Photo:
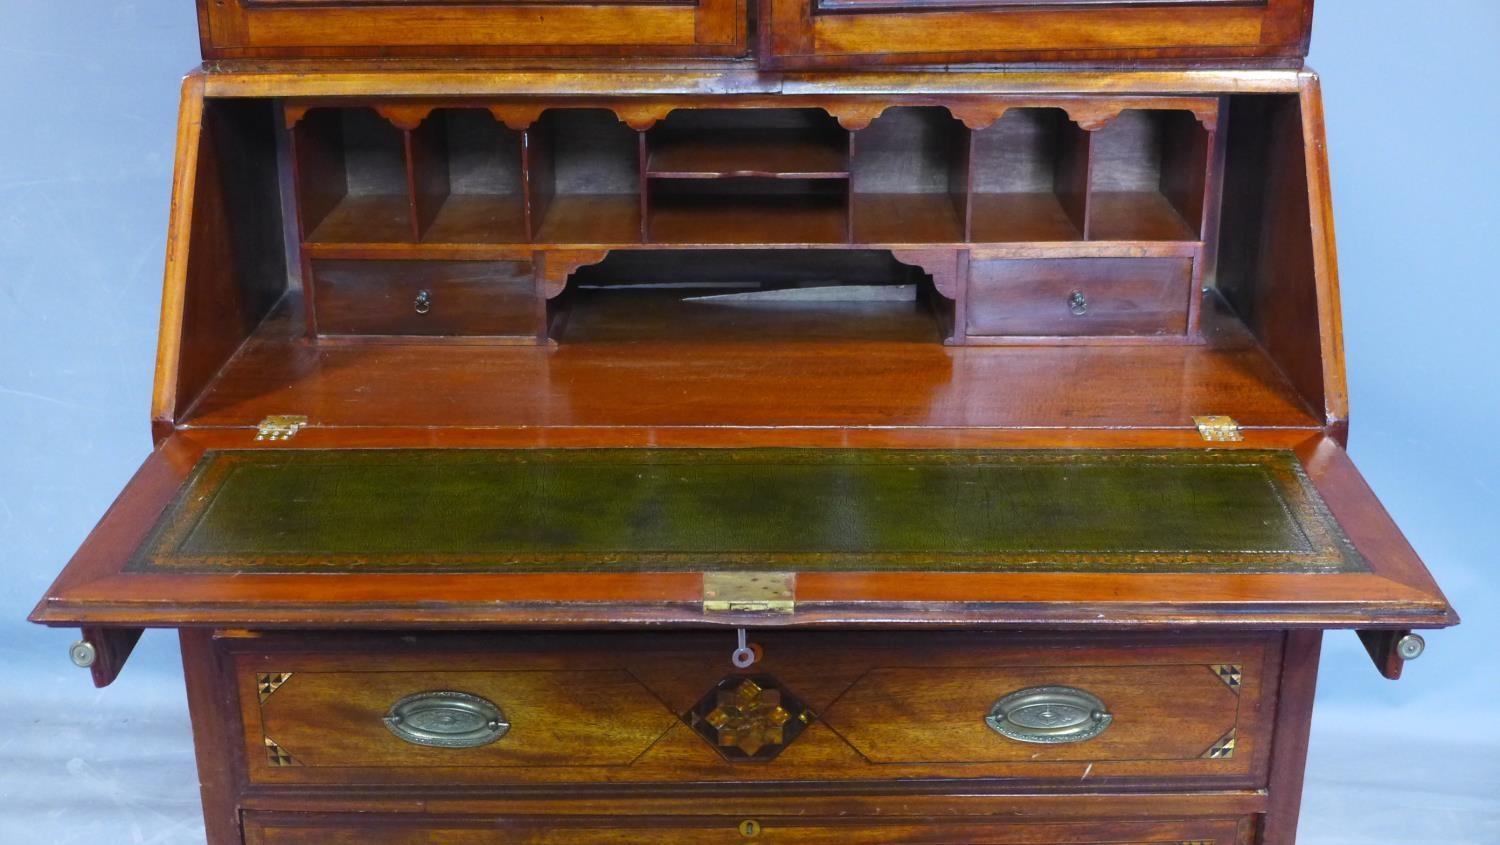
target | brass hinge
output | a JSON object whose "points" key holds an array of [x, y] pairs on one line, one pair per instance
{"points": [[279, 427], [1219, 429], [749, 592]]}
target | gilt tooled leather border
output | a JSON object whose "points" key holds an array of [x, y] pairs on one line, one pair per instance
{"points": [[1321, 545]]}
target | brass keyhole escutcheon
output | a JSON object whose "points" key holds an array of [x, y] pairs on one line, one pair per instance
{"points": [[749, 828]]}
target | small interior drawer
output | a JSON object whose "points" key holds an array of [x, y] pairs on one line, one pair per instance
{"points": [[818, 708], [391, 829], [1062, 298], [425, 298]]}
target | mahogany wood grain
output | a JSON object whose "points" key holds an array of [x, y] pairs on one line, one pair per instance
{"points": [[289, 29], [112, 647], [1268, 267], [755, 215], [807, 34], [164, 393], [784, 384], [973, 802], [213, 707], [1122, 297], [1299, 683], [232, 270], [427, 298], [777, 154], [606, 709], [905, 218], [531, 166], [293, 829], [1384, 650]]}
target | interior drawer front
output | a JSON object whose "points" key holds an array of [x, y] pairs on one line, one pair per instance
{"points": [[818, 708], [307, 829], [425, 298], [833, 33], [1079, 297], [334, 28]]}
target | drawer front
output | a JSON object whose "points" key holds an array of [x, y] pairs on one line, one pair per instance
{"points": [[850, 33], [579, 709], [294, 829], [338, 28], [426, 298], [1079, 297]]}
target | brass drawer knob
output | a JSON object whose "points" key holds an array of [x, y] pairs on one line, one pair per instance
{"points": [[423, 303], [1078, 303], [1049, 715], [446, 719]]}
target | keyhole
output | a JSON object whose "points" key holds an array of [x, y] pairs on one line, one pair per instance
{"points": [[749, 828]]}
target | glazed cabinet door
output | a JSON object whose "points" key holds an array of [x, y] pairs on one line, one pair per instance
{"points": [[483, 28], [852, 33], [308, 829]]}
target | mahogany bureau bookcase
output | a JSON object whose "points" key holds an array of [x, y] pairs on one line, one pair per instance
{"points": [[800, 421]]}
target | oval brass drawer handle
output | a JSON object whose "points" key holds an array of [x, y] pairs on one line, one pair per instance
{"points": [[446, 719], [1049, 715]]}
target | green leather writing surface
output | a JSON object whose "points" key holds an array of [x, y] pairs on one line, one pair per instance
{"points": [[559, 510]]}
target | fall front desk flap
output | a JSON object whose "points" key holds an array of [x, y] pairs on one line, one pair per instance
{"points": [[482, 534]]}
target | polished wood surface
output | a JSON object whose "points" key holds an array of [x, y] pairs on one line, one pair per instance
{"points": [[426, 298], [682, 382], [701, 247], [1080, 297], [296, 29], [845, 33], [1123, 168], [294, 829], [609, 709]]}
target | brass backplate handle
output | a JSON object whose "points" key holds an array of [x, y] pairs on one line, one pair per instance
{"points": [[1049, 715], [446, 719]]}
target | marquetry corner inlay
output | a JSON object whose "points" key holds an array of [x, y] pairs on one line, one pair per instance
{"points": [[749, 717], [1230, 674], [276, 755], [1223, 749], [267, 683]]}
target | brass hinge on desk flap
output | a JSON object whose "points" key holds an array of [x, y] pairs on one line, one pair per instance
{"points": [[749, 592], [1219, 429], [279, 427]]}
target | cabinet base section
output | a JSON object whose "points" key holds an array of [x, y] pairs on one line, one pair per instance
{"points": [[394, 829], [847, 736]]}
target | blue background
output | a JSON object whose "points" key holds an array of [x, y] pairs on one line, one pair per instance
{"points": [[90, 98]]}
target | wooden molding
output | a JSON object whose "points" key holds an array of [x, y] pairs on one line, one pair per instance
{"points": [[941, 264], [553, 267]]}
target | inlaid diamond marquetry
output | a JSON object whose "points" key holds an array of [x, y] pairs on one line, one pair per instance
{"points": [[1229, 674], [269, 682], [1223, 749], [277, 755], [749, 717]]}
